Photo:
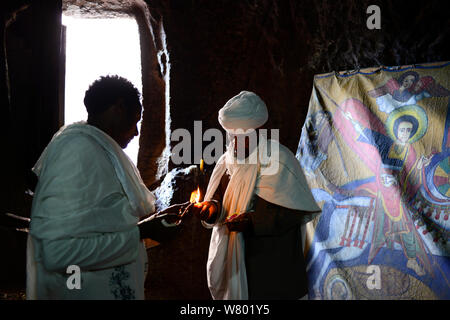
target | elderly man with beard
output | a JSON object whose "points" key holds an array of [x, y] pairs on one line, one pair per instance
{"points": [[256, 209]]}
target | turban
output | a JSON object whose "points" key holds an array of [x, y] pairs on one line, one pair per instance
{"points": [[243, 112]]}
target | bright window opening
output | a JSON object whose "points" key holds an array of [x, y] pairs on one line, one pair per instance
{"points": [[99, 47]]}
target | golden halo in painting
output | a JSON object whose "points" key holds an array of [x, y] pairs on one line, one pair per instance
{"points": [[411, 113]]}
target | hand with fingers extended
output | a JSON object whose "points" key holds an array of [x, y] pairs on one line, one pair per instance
{"points": [[239, 222], [206, 211]]}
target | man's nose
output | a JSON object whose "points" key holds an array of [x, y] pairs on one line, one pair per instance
{"points": [[136, 132]]}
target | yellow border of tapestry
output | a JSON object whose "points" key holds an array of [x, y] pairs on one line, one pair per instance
{"points": [[412, 110]]}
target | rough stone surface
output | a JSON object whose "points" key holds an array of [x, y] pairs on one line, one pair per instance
{"points": [[97, 8], [218, 48]]}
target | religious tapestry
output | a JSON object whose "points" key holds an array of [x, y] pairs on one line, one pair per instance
{"points": [[375, 148]]}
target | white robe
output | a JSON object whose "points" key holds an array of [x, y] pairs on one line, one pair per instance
{"points": [[85, 210], [286, 186]]}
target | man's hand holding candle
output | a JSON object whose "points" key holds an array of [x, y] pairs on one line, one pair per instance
{"points": [[174, 213], [239, 222], [206, 211], [171, 216]]}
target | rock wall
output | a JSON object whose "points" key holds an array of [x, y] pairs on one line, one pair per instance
{"points": [[30, 82], [218, 48]]}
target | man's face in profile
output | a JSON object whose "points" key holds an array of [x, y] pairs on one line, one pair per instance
{"points": [[126, 125]]}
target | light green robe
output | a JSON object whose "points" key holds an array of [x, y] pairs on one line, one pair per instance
{"points": [[87, 203]]}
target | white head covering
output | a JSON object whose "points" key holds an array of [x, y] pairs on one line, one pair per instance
{"points": [[243, 112]]}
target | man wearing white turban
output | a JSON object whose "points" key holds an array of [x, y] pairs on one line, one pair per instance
{"points": [[256, 214]]}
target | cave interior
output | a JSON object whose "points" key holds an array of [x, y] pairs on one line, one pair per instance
{"points": [[198, 53]]}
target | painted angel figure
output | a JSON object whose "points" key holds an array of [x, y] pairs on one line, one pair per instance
{"points": [[407, 89], [387, 150]]}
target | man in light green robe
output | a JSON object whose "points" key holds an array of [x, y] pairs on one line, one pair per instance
{"points": [[84, 240]]}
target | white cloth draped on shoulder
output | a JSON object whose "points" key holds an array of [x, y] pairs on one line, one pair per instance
{"points": [[286, 187], [88, 201]]}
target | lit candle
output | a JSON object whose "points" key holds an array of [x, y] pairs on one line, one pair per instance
{"points": [[201, 165], [195, 196]]}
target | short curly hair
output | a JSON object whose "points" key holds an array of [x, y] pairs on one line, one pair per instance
{"points": [[107, 90]]}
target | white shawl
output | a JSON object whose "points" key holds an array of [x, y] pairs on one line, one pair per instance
{"points": [[140, 198], [286, 187], [76, 219]]}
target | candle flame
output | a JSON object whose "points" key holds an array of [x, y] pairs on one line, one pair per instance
{"points": [[195, 196]]}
